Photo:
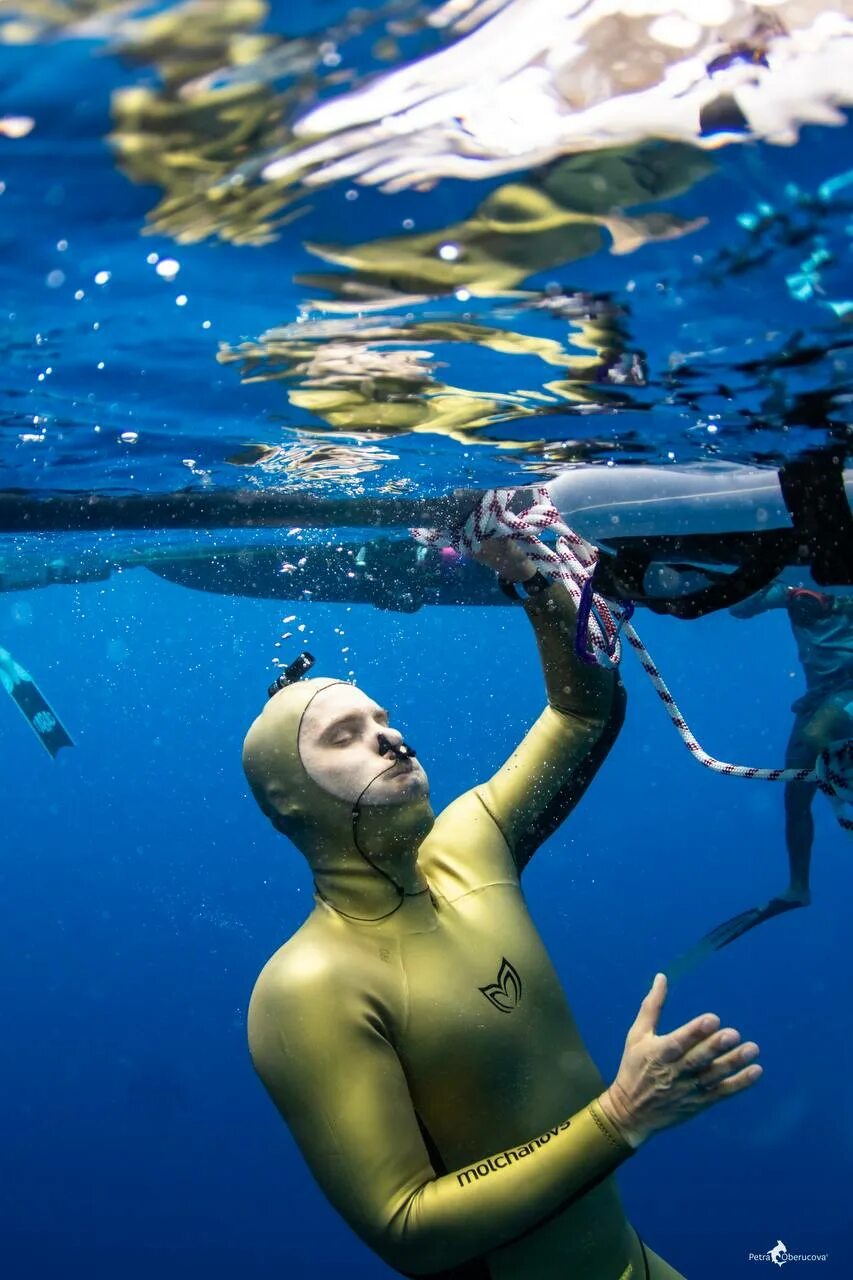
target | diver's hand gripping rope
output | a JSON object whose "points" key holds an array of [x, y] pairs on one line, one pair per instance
{"points": [[601, 623]]}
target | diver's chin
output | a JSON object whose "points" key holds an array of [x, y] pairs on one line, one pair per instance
{"points": [[402, 790], [395, 829], [398, 786]]}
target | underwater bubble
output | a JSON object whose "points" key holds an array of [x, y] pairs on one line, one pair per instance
{"points": [[168, 268]]}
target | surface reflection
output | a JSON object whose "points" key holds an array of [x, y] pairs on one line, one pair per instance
{"points": [[380, 375]]}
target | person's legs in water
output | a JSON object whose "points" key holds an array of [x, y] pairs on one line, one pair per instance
{"points": [[813, 730], [799, 798], [818, 722]]}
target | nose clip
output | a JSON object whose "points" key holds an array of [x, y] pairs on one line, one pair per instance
{"points": [[402, 751]]}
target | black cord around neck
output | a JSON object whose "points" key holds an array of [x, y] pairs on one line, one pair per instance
{"points": [[398, 888]]}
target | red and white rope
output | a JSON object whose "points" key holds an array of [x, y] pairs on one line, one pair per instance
{"points": [[572, 561]]}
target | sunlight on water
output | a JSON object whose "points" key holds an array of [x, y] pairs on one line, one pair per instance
{"points": [[615, 277]]}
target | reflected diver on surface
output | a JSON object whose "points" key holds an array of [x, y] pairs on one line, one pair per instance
{"points": [[188, 134], [373, 376], [823, 630], [558, 216], [226, 90], [413, 1032]]}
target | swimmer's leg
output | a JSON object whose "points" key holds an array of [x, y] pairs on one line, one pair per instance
{"points": [[32, 704], [830, 722], [802, 752], [811, 731], [799, 838]]}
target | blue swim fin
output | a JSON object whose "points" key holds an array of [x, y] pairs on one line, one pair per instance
{"points": [[32, 704]]}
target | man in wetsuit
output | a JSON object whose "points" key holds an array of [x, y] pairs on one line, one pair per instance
{"points": [[413, 1032]]}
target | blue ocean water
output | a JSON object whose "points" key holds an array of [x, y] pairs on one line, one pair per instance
{"points": [[141, 891]]}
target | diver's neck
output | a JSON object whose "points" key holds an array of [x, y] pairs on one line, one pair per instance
{"points": [[360, 891]]}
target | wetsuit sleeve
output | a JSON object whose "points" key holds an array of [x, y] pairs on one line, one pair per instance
{"points": [[772, 597], [545, 777], [334, 1075]]}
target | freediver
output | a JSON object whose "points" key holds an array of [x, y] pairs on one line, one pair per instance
{"points": [[823, 632], [413, 1032]]}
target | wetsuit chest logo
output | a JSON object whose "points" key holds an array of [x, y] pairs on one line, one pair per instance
{"points": [[504, 994]]}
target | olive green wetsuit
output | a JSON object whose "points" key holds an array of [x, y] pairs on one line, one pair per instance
{"points": [[428, 1064]]}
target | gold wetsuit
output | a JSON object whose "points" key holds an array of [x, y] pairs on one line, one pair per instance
{"points": [[428, 1064]]}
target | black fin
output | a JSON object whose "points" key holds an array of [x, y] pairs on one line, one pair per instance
{"points": [[728, 932]]}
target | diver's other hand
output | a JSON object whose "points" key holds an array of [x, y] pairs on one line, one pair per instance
{"points": [[665, 1079], [506, 557]]}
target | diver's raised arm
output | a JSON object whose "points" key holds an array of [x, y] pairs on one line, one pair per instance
{"points": [[573, 688], [542, 781]]}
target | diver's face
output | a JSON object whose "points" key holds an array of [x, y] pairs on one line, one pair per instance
{"points": [[340, 749]]}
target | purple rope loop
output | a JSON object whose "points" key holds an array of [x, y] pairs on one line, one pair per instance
{"points": [[583, 650], [587, 607]]}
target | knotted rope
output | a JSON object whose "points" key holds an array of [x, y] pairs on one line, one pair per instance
{"points": [[602, 624]]}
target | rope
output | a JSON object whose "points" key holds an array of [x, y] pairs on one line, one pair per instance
{"points": [[602, 624]]}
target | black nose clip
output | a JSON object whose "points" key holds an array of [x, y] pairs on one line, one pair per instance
{"points": [[402, 751]]}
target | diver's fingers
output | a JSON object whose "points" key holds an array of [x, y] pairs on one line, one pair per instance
{"points": [[391, 171], [398, 167], [353, 164], [733, 1084], [728, 1064], [646, 1020], [710, 1051], [676, 1044], [440, 162], [434, 168], [311, 155]]}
